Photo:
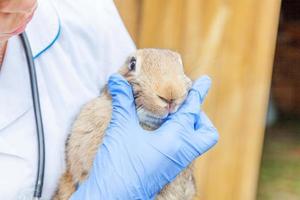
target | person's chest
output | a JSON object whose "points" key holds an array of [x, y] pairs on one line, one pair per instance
{"points": [[75, 51], [63, 88]]}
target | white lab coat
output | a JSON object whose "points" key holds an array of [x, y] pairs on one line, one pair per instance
{"points": [[76, 46]]}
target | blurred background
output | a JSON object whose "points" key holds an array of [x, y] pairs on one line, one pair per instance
{"points": [[280, 167], [255, 98]]}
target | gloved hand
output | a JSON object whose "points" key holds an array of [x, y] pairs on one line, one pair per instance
{"points": [[133, 163]]}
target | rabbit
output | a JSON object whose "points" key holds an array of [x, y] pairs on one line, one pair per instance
{"points": [[159, 87]]}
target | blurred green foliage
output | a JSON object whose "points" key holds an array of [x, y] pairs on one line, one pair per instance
{"points": [[280, 168]]}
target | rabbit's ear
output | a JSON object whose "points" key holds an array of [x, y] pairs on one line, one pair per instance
{"points": [[132, 63], [131, 66]]}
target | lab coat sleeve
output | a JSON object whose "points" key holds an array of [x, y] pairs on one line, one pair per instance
{"points": [[117, 43]]}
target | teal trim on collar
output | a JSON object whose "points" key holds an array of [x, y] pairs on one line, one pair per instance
{"points": [[51, 43], [44, 29]]}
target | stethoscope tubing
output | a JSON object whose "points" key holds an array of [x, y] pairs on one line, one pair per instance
{"points": [[38, 117]]}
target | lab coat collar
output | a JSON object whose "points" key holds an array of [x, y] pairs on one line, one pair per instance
{"points": [[15, 94], [44, 28]]}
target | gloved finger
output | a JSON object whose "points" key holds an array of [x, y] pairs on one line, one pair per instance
{"points": [[202, 85], [122, 98], [206, 136], [188, 113]]}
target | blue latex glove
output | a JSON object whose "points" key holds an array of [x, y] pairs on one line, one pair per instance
{"points": [[135, 164]]}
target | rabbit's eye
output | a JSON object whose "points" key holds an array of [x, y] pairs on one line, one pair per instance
{"points": [[132, 64]]}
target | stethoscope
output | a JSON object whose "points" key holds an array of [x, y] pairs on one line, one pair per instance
{"points": [[38, 118]]}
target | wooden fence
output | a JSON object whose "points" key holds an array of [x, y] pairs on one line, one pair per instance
{"points": [[232, 41]]}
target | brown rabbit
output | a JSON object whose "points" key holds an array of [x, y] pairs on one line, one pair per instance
{"points": [[159, 87]]}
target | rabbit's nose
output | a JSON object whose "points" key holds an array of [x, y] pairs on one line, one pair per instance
{"points": [[170, 107]]}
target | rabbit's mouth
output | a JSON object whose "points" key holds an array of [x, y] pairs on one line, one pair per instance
{"points": [[150, 121]]}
